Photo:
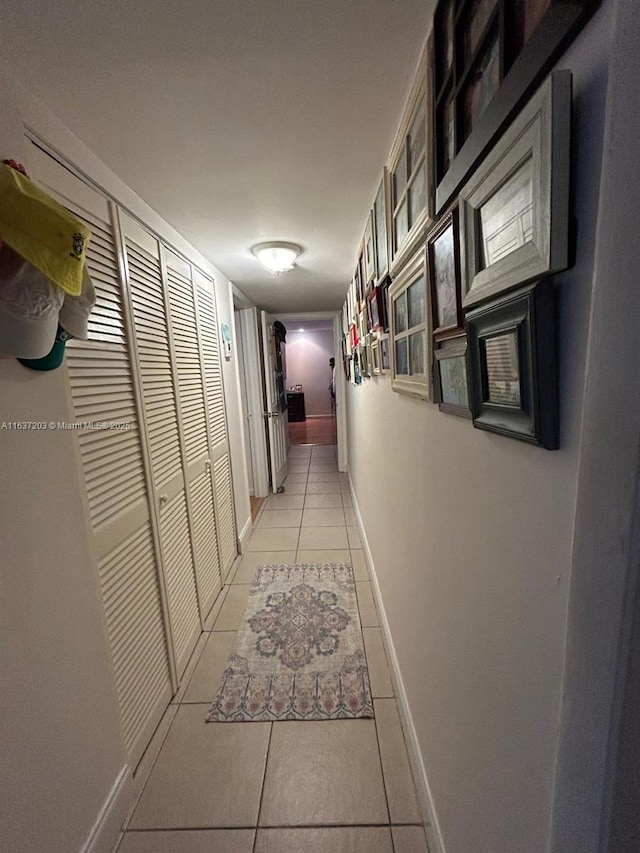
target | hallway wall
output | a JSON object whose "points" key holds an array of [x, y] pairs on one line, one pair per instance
{"points": [[308, 357], [64, 754], [62, 747], [471, 539]]}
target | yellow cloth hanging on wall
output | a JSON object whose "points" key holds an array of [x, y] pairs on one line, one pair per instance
{"points": [[42, 231]]}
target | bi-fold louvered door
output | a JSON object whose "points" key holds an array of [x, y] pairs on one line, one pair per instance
{"points": [[102, 384], [216, 421], [193, 421], [159, 496], [149, 304]]}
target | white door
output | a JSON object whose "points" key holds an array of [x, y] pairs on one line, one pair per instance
{"points": [[103, 388], [246, 414], [217, 423], [277, 422], [193, 420], [144, 277]]}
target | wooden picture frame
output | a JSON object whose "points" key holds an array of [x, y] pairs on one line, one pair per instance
{"points": [[362, 322], [452, 377], [368, 254], [411, 338], [410, 182], [364, 358], [376, 367], [385, 354], [512, 361], [375, 308], [358, 276], [354, 337], [351, 301], [528, 48], [445, 277], [380, 219], [514, 212]]}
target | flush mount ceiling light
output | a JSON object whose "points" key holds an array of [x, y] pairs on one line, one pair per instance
{"points": [[277, 257]]}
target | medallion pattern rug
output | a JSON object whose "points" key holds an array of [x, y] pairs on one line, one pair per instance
{"points": [[299, 652]]}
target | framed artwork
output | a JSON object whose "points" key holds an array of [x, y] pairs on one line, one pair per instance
{"points": [[362, 323], [368, 253], [385, 354], [512, 365], [376, 367], [488, 58], [375, 305], [443, 255], [355, 365], [514, 212], [359, 282], [384, 303], [346, 358], [410, 173], [411, 334], [354, 337], [363, 359], [351, 301], [380, 229], [452, 378]]}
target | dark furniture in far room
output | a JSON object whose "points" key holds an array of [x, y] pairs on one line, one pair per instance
{"points": [[295, 404]]}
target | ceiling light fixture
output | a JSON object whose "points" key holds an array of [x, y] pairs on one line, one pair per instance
{"points": [[301, 330], [277, 257]]}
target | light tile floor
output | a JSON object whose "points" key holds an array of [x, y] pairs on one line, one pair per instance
{"points": [[341, 786]]}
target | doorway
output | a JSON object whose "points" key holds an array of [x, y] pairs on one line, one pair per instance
{"points": [[310, 379]]}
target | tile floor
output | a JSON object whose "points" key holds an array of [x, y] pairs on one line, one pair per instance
{"points": [[342, 786]]}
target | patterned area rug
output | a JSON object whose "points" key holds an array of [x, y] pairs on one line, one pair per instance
{"points": [[299, 652]]}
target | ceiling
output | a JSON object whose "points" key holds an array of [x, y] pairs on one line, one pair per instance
{"points": [[238, 121]]}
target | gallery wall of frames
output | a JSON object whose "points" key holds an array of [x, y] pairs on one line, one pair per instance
{"points": [[452, 298]]}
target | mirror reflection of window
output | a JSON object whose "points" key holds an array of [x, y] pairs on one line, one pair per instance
{"points": [[502, 370], [507, 217]]}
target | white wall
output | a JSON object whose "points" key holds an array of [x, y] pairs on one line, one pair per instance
{"points": [[308, 355], [63, 750], [471, 537], [601, 703]]}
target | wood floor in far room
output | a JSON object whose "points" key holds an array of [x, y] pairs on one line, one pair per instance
{"points": [[320, 430]]}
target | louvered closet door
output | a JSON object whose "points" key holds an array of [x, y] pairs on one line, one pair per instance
{"points": [[218, 436], [102, 389], [148, 303], [193, 421]]}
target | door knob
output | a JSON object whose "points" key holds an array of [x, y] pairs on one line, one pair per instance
{"points": [[163, 499]]}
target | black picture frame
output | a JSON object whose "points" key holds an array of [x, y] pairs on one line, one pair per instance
{"points": [[520, 70], [384, 299], [452, 400], [512, 365]]}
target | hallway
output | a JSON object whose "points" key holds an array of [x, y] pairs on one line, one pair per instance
{"points": [[241, 787]]}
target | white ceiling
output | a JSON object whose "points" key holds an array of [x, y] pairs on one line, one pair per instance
{"points": [[238, 121]]}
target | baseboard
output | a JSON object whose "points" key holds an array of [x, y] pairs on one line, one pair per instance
{"points": [[245, 535], [327, 415], [112, 815], [418, 770]]}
